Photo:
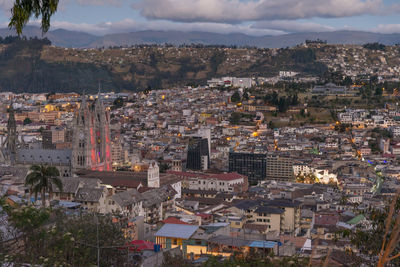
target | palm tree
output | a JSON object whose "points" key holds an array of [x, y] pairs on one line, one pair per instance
{"points": [[41, 179]]}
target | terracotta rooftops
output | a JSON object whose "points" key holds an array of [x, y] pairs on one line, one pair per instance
{"points": [[219, 176]]}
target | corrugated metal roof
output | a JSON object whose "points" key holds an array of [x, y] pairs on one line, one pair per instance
{"points": [[177, 231], [262, 244]]}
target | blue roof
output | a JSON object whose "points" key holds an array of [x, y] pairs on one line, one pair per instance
{"points": [[15, 199], [263, 244], [177, 230], [69, 205]]}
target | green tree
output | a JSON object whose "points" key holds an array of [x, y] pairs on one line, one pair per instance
{"points": [[27, 121], [294, 100], [347, 81], [235, 118], [246, 95], [235, 97], [378, 91], [41, 179], [283, 104], [373, 79], [23, 10], [51, 237], [118, 103], [216, 60], [163, 167], [382, 238]]}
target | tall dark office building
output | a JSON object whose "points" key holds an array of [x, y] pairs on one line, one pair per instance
{"points": [[198, 155], [253, 165]]}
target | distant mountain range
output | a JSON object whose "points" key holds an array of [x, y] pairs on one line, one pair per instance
{"points": [[66, 38]]}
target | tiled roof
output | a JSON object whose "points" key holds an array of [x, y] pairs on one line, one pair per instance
{"points": [[71, 184], [298, 241], [43, 156], [219, 176], [269, 210], [127, 197], [173, 220], [157, 195], [127, 179], [89, 194], [141, 245]]}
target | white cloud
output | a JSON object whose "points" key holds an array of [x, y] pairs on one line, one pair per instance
{"points": [[387, 28], [292, 26], [239, 11]]}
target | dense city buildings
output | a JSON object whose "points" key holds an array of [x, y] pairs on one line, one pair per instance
{"points": [[203, 169], [206, 133]]}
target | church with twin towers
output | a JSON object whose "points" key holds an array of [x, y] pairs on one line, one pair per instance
{"points": [[91, 145], [90, 149]]}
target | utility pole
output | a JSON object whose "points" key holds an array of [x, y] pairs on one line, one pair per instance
{"points": [[98, 247]]}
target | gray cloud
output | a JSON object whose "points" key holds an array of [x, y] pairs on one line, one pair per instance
{"points": [[100, 2], [129, 25], [5, 6], [257, 29], [236, 11]]}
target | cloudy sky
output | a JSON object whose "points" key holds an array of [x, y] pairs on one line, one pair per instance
{"points": [[253, 17]]}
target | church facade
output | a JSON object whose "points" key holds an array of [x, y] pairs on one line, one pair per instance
{"points": [[91, 145]]}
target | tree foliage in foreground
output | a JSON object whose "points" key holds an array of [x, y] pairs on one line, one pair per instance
{"points": [[251, 259], [23, 10], [52, 238], [370, 241]]}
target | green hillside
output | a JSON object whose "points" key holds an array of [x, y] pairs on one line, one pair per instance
{"points": [[36, 66]]}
